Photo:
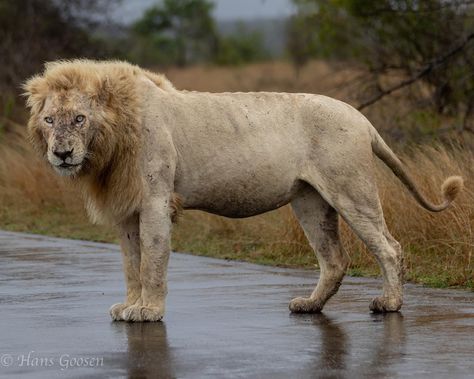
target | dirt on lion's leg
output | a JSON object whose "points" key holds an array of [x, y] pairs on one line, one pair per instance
{"points": [[130, 246], [320, 224]]}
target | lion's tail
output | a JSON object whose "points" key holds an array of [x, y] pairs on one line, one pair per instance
{"points": [[450, 188]]}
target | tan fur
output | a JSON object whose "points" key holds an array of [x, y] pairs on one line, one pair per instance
{"points": [[142, 143]]}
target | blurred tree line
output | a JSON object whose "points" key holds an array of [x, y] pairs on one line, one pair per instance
{"points": [[172, 32], [411, 42], [35, 31], [415, 41], [181, 32]]}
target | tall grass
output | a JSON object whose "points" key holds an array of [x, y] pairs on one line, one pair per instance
{"points": [[438, 247]]}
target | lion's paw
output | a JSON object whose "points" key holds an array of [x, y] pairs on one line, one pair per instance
{"points": [[305, 305], [383, 304], [116, 311], [140, 313]]}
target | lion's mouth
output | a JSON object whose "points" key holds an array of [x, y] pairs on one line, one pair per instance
{"points": [[67, 169], [68, 165]]}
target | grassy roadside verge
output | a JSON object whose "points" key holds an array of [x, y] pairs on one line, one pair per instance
{"points": [[251, 240]]}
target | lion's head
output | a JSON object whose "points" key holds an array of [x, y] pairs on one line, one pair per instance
{"points": [[85, 122], [65, 127], [84, 112], [71, 117]]}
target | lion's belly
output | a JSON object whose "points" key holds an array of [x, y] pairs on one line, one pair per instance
{"points": [[239, 188], [239, 199]]}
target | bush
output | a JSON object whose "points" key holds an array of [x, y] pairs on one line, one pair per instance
{"points": [[175, 32], [240, 48]]}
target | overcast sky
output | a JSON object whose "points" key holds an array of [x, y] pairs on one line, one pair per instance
{"points": [[223, 10]]}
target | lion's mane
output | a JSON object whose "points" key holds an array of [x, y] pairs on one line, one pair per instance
{"points": [[110, 182]]}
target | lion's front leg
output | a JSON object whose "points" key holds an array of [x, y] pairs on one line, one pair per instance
{"points": [[130, 245], [155, 228]]}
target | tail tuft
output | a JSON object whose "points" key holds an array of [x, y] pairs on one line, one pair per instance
{"points": [[451, 187]]}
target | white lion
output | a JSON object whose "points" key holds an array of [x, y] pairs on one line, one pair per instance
{"points": [[135, 145]]}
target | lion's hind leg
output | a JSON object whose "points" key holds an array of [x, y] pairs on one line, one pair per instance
{"points": [[320, 224], [358, 203]]}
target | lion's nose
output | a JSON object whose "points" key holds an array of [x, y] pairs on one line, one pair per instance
{"points": [[63, 154]]}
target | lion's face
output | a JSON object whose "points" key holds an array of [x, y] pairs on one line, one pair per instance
{"points": [[66, 126]]}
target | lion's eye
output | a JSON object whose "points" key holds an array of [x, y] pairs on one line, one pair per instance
{"points": [[48, 120], [80, 118]]}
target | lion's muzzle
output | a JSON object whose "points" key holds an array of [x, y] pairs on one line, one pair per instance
{"points": [[65, 155], [66, 160]]}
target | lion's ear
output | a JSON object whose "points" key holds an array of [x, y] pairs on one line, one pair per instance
{"points": [[35, 88]]}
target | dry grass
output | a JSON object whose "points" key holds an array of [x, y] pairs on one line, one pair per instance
{"points": [[438, 247]]}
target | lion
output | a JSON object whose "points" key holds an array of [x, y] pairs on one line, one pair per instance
{"points": [[139, 150]]}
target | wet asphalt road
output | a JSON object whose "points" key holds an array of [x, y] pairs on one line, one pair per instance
{"points": [[223, 320]]}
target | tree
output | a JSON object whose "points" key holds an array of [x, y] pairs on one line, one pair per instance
{"points": [[35, 31], [241, 47], [176, 31], [426, 41]]}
